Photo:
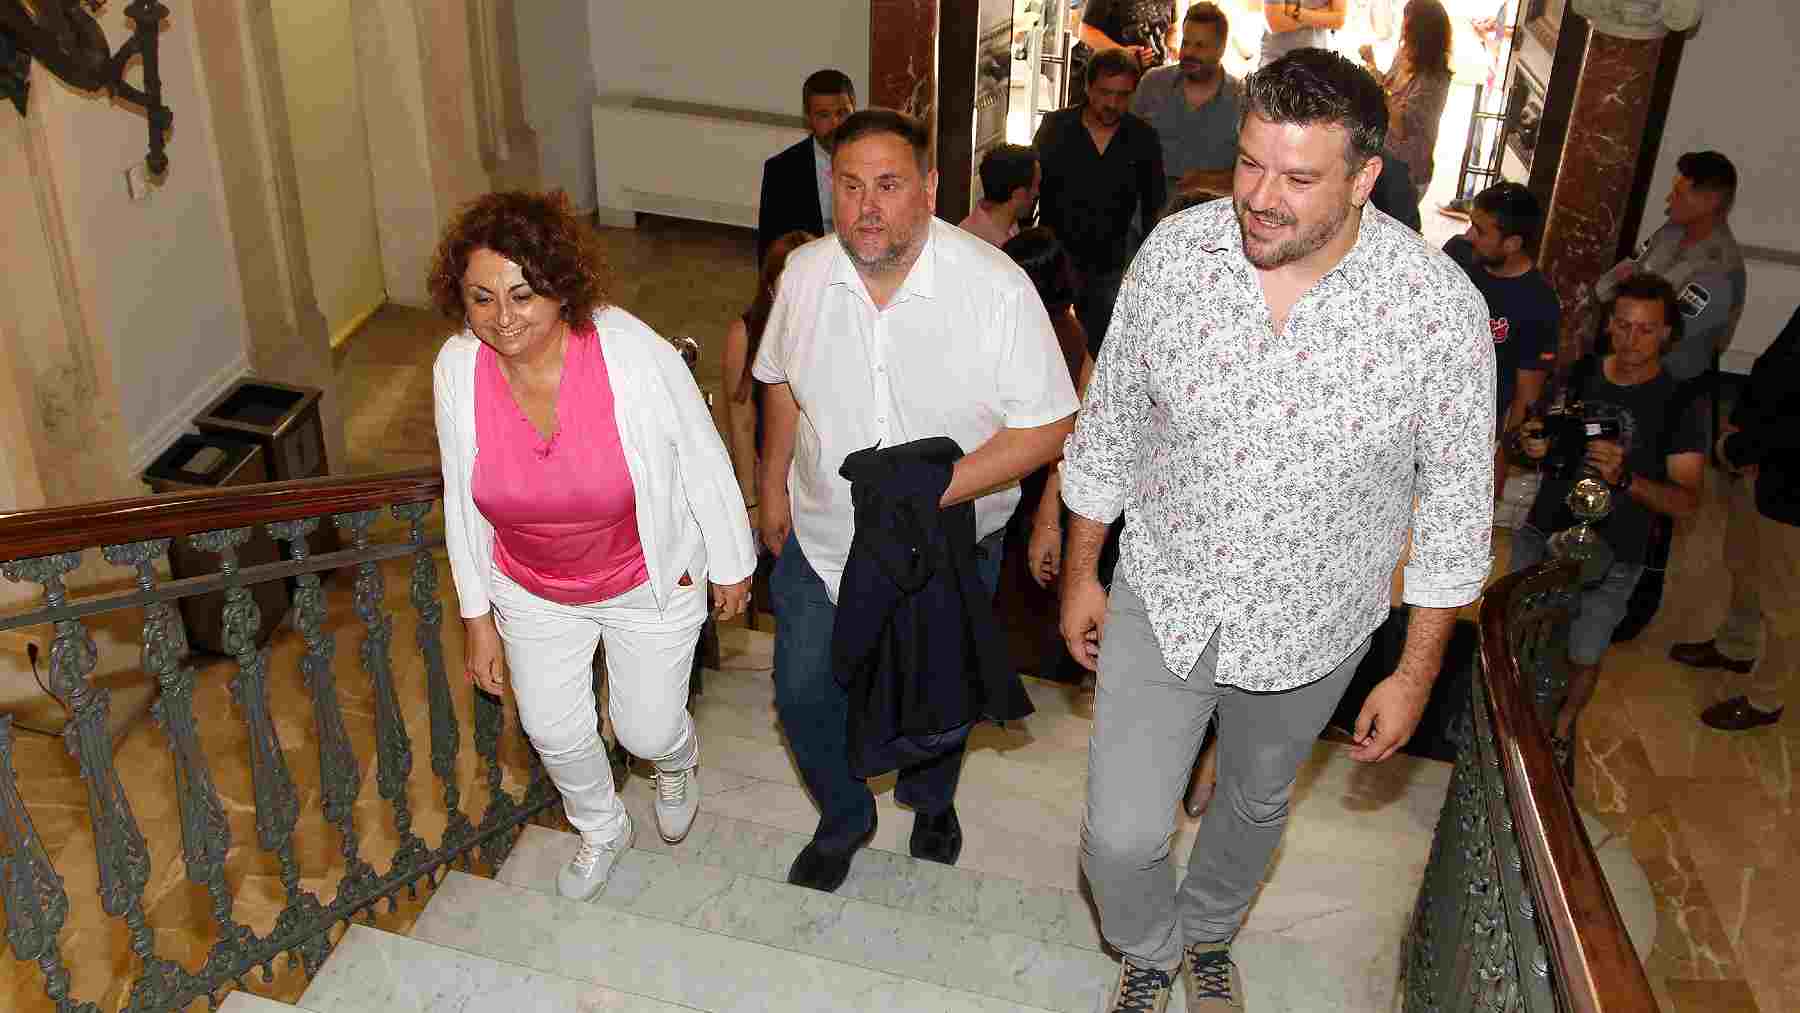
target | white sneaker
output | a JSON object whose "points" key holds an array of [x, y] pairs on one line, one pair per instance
{"points": [[677, 803], [586, 874]]}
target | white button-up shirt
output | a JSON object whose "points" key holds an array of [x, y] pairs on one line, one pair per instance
{"points": [[964, 349], [1268, 481]]}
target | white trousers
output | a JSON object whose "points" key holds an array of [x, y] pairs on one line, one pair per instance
{"points": [[649, 655]]}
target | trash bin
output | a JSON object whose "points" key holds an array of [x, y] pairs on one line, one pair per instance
{"points": [[283, 420], [210, 461]]}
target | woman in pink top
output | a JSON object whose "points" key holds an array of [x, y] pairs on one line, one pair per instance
{"points": [[587, 497]]}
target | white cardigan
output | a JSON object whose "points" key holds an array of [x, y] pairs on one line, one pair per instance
{"points": [[690, 513]]}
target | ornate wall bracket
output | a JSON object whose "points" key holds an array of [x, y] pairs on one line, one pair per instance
{"points": [[65, 37]]}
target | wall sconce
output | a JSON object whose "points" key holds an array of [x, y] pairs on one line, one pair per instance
{"points": [[64, 36]]}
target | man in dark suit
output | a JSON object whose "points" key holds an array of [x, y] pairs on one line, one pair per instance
{"points": [[796, 184]]}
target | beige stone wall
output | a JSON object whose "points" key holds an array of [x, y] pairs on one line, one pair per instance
{"points": [[124, 314], [331, 159]]}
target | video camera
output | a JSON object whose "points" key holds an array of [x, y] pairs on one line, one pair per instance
{"points": [[1569, 430]]}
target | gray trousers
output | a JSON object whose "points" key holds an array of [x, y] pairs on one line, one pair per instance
{"points": [[1148, 725]]}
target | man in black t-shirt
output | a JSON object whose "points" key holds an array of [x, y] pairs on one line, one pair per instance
{"points": [[1655, 466], [1523, 313], [1147, 29]]}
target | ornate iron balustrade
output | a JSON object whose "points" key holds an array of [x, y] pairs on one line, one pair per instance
{"points": [[42, 547], [1514, 913]]}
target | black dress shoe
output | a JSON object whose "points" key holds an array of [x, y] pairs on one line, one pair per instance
{"points": [[937, 837], [1705, 654], [1737, 715], [818, 869]]}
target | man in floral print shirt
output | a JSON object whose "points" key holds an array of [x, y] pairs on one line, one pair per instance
{"points": [[1292, 383]]}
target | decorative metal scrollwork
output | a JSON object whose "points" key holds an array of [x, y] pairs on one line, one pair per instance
{"points": [[205, 832], [393, 747], [36, 905], [66, 38]]}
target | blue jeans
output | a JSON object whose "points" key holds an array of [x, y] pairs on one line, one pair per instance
{"points": [[815, 710], [1598, 610]]}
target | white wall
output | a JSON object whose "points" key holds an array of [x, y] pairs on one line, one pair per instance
{"points": [[1737, 92], [158, 275], [557, 75], [747, 55], [331, 159]]}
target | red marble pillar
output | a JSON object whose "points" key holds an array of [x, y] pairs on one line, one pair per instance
{"points": [[903, 52], [1595, 178]]}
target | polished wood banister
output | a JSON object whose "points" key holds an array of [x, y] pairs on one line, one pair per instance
{"points": [[1592, 960], [27, 533]]}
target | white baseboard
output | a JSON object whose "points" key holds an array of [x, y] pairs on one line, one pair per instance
{"points": [[179, 419]]}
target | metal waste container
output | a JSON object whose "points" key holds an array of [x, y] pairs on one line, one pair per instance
{"points": [[283, 420], [210, 461]]}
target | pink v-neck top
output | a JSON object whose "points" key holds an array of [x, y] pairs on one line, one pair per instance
{"points": [[563, 509]]}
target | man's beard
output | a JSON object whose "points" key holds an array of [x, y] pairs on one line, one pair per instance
{"points": [[1200, 74], [1491, 263], [899, 249], [1298, 248]]}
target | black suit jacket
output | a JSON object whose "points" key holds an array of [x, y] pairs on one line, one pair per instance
{"points": [[1393, 192], [1768, 419], [790, 197]]}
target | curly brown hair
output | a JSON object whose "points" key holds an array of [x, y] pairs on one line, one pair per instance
{"points": [[537, 231]]}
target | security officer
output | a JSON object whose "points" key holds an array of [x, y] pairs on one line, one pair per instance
{"points": [[1695, 252]]}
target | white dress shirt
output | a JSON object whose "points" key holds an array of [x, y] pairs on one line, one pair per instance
{"points": [[1269, 481], [964, 349]]}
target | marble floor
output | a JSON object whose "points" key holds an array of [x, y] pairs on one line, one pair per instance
{"points": [[1709, 816]]}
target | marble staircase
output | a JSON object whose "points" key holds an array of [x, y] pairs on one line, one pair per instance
{"points": [[711, 924]]}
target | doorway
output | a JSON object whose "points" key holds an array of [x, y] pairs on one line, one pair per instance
{"points": [[1482, 41]]}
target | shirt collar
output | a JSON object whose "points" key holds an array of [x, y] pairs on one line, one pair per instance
{"points": [[821, 157], [1357, 266], [921, 281]]}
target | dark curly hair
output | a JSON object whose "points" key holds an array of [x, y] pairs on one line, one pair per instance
{"points": [[537, 231]]}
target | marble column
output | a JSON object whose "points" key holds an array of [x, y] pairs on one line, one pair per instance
{"points": [[1598, 170], [62, 435], [414, 67], [288, 337], [903, 36]]}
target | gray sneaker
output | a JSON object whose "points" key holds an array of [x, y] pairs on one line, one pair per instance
{"points": [[586, 874], [1140, 989], [1211, 979], [677, 803]]}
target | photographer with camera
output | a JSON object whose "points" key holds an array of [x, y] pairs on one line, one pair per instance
{"points": [[1621, 421]]}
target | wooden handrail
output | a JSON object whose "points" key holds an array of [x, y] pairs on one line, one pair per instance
{"points": [[27, 533], [1592, 961]]}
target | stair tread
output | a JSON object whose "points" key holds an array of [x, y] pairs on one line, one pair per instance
{"points": [[703, 968], [371, 971], [249, 1002], [927, 925], [1037, 911]]}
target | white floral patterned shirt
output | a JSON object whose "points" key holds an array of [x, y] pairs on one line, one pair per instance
{"points": [[1268, 481]]}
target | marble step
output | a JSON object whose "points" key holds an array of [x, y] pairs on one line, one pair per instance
{"points": [[372, 971], [701, 968], [250, 1002], [996, 903], [927, 924]]}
